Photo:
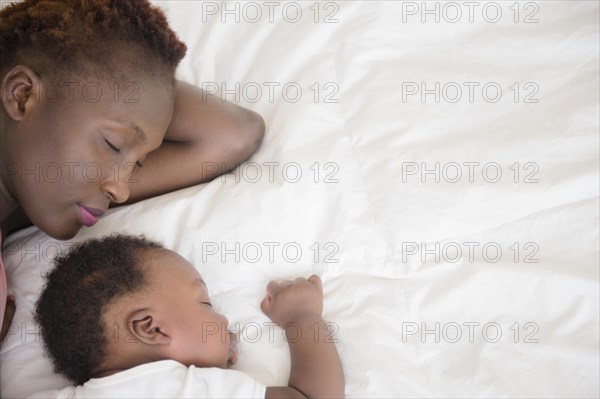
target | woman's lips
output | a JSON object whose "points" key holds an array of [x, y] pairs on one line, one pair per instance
{"points": [[89, 216]]}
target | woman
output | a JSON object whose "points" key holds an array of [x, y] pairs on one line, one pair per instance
{"points": [[92, 116]]}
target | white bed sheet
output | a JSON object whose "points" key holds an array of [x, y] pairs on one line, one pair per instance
{"points": [[377, 219]]}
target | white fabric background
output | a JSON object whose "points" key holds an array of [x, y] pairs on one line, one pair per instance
{"points": [[374, 215]]}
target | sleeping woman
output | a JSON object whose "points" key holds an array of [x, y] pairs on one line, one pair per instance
{"points": [[92, 116]]}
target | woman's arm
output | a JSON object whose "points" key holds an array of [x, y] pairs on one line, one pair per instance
{"points": [[206, 138]]}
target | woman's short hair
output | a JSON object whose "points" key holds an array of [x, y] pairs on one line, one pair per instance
{"points": [[58, 38]]}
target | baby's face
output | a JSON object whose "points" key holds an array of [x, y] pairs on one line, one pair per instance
{"points": [[182, 308]]}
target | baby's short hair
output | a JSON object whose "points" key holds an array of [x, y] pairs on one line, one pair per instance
{"points": [[79, 287]]}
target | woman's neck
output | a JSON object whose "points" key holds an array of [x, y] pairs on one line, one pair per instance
{"points": [[8, 203]]}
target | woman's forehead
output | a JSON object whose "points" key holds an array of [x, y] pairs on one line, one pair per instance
{"points": [[146, 112]]}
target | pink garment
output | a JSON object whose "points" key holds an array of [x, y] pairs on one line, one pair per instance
{"points": [[3, 286]]}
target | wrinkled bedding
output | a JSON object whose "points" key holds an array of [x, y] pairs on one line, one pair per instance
{"points": [[441, 177]]}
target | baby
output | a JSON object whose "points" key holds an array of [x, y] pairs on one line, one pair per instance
{"points": [[122, 316]]}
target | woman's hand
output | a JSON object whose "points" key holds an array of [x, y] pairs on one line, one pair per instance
{"points": [[206, 138]]}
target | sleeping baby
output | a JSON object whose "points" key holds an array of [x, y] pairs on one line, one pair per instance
{"points": [[122, 316]]}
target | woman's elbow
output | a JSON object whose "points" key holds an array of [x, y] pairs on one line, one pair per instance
{"points": [[256, 130], [251, 134]]}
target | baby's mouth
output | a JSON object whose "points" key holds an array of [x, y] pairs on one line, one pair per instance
{"points": [[232, 349]]}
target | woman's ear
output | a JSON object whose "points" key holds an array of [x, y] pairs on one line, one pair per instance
{"points": [[19, 91], [144, 328]]}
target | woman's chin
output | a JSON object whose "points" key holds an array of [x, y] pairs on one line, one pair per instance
{"points": [[64, 232], [63, 235]]}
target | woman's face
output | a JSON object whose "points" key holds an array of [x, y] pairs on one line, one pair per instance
{"points": [[68, 158]]}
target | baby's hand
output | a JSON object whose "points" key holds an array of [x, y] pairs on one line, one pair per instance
{"points": [[290, 299]]}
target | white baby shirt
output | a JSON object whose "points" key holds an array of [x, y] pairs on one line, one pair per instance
{"points": [[167, 379]]}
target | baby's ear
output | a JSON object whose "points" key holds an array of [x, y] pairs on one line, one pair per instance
{"points": [[144, 328]]}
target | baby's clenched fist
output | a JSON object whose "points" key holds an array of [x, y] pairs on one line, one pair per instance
{"points": [[288, 300]]}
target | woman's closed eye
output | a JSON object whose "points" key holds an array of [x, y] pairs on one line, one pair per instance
{"points": [[118, 151], [113, 147], [207, 303]]}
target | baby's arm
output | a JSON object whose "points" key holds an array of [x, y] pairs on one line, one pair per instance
{"points": [[316, 368]]}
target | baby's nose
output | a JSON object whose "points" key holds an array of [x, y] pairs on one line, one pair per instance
{"points": [[225, 322]]}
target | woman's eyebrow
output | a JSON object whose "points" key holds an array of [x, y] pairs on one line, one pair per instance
{"points": [[133, 126]]}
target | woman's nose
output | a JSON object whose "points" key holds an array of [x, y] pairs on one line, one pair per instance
{"points": [[116, 190]]}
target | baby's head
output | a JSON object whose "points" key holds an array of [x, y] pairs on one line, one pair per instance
{"points": [[114, 303]]}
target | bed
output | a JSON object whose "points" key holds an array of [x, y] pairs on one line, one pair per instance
{"points": [[435, 162]]}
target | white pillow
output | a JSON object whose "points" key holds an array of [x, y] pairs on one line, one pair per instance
{"points": [[236, 289], [24, 369]]}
